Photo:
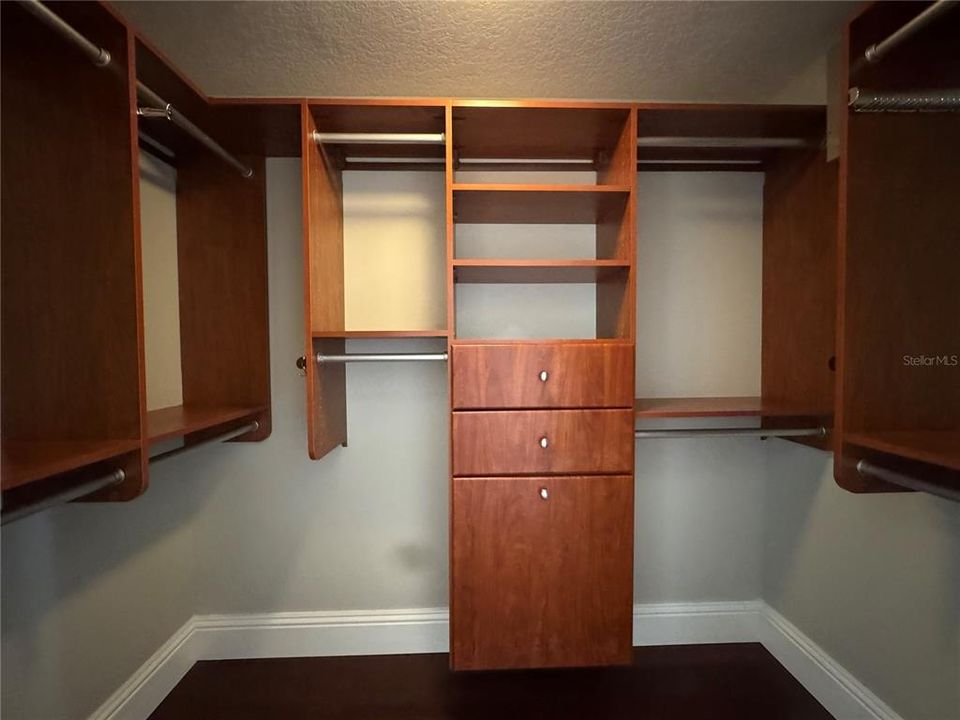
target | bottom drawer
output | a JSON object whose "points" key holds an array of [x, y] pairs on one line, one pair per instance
{"points": [[542, 572]]}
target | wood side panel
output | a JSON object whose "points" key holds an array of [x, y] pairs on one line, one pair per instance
{"points": [[222, 263], [323, 296], [70, 327], [509, 442], [898, 255], [508, 375], [542, 582], [800, 199]]}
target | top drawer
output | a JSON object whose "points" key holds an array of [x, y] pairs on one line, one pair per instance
{"points": [[542, 375]]}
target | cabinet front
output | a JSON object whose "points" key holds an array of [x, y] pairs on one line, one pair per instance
{"points": [[530, 442], [541, 572], [542, 375]]}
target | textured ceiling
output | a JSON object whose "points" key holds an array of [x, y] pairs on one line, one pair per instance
{"points": [[710, 51]]}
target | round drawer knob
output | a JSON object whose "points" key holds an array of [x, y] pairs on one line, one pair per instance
{"points": [[544, 442], [544, 494], [544, 376]]}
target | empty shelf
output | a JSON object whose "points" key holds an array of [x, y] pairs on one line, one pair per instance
{"points": [[180, 420], [373, 334], [736, 406], [537, 271], [539, 204]]}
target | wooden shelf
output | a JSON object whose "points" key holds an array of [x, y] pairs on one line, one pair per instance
{"points": [[937, 447], [678, 120], [492, 129], [737, 406], [373, 334], [25, 461], [537, 204], [537, 271], [180, 420]]}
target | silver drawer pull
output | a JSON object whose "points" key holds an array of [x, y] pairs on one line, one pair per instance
{"points": [[544, 442], [544, 376], [544, 494]]}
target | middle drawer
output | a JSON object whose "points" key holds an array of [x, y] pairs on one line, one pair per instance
{"points": [[524, 442]]}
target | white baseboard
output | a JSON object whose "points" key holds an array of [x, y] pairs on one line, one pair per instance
{"points": [[385, 632], [827, 680]]}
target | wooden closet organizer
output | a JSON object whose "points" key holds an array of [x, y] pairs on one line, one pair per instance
{"points": [[542, 431], [74, 398]]}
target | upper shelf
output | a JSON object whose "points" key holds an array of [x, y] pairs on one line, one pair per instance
{"points": [[382, 116], [537, 204], [728, 137], [513, 130], [375, 334]]}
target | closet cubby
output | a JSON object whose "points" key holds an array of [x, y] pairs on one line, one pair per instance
{"points": [[221, 272], [526, 166], [374, 239], [71, 382], [76, 419], [898, 399], [785, 143]]}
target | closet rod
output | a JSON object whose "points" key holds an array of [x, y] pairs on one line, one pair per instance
{"points": [[725, 142], [160, 108], [72, 493], [877, 51], [320, 358], [97, 55], [699, 162], [223, 437], [911, 483], [918, 101], [337, 138], [731, 432]]}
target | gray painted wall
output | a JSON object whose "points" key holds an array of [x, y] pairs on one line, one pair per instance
{"points": [[873, 579]]}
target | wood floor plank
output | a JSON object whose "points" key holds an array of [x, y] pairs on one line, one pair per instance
{"points": [[686, 682]]}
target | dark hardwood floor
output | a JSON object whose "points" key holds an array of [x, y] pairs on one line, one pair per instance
{"points": [[708, 682]]}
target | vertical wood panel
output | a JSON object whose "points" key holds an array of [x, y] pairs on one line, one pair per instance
{"points": [[323, 294]]}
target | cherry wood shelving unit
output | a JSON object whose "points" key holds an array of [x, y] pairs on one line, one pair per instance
{"points": [[898, 260], [799, 231], [73, 383]]}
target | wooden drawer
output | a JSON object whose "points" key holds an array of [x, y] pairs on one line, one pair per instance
{"points": [[542, 375], [541, 581], [512, 442]]}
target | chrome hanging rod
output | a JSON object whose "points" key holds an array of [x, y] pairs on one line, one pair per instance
{"points": [[918, 101], [868, 469], [336, 138], [223, 437], [160, 108], [72, 493], [876, 52], [322, 359], [97, 55], [726, 142], [731, 432]]}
